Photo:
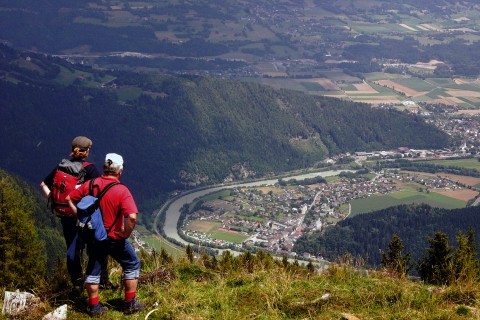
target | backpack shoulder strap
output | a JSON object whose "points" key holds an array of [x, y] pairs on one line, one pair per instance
{"points": [[90, 189], [100, 195]]}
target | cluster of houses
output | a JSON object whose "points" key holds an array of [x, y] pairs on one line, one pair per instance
{"points": [[274, 218], [274, 221]]}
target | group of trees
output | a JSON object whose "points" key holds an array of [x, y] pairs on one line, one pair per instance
{"points": [[440, 264], [25, 243]]}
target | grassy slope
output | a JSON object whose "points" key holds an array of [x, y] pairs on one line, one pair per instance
{"points": [[271, 291]]}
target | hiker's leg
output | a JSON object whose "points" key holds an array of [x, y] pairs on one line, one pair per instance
{"points": [[96, 254], [124, 253], [104, 276], [74, 266]]}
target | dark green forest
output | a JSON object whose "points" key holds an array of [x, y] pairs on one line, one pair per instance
{"points": [[367, 235]]}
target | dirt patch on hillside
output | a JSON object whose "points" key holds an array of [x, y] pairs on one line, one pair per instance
{"points": [[450, 101], [362, 88], [203, 226], [461, 194], [463, 93], [468, 181], [468, 111]]}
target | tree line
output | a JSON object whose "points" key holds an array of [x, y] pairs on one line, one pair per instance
{"points": [[441, 263], [367, 235]]}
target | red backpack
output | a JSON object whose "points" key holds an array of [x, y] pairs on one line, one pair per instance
{"points": [[68, 176]]}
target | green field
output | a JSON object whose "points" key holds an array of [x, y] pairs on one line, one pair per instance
{"points": [[416, 84], [155, 242], [462, 163], [403, 197], [158, 243], [228, 236]]}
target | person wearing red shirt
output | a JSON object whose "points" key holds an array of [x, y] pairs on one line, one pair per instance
{"points": [[119, 212], [81, 146]]}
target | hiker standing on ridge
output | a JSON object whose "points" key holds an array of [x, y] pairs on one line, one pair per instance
{"points": [[54, 187], [119, 213]]}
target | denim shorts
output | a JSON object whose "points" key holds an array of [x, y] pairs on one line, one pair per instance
{"points": [[120, 250]]}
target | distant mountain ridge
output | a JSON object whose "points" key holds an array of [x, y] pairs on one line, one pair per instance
{"points": [[243, 38], [64, 26], [181, 132]]}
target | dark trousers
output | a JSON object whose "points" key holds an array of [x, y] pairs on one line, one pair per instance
{"points": [[74, 266]]}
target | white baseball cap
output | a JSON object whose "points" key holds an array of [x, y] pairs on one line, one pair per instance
{"points": [[114, 158]]}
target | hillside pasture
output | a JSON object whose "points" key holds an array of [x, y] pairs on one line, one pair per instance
{"points": [[379, 202]]}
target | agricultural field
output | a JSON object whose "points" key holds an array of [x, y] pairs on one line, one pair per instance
{"points": [[213, 230], [471, 163], [157, 243], [382, 88], [433, 199], [228, 235], [412, 192]]}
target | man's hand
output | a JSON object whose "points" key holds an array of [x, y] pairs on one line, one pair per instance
{"points": [[72, 206], [129, 226]]}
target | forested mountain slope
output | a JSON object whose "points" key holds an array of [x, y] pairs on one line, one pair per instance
{"points": [[180, 132]]}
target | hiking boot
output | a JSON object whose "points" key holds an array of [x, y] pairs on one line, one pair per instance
{"points": [[97, 310], [132, 306], [109, 286]]}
